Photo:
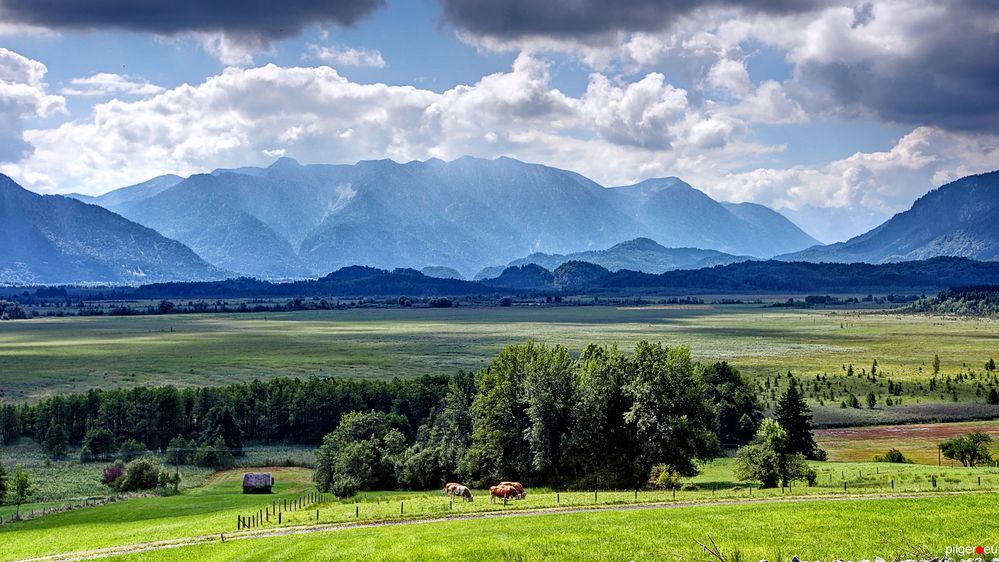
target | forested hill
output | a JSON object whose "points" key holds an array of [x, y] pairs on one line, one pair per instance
{"points": [[582, 278], [970, 301], [765, 276]]}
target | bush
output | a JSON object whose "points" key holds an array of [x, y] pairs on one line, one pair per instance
{"points": [[214, 455], [131, 450], [112, 475], [663, 477], [56, 441], [100, 443], [345, 486], [893, 455], [141, 474]]}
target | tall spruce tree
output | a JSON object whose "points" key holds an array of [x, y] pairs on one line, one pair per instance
{"points": [[794, 415]]}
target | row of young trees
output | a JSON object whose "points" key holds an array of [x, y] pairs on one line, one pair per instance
{"points": [[283, 410]]}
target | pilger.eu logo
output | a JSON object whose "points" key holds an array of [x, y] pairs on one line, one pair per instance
{"points": [[970, 549]]}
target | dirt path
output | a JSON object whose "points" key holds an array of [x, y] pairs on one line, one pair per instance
{"points": [[330, 527]]}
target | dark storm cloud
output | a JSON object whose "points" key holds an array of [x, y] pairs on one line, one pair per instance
{"points": [[948, 76], [579, 18], [261, 19]]}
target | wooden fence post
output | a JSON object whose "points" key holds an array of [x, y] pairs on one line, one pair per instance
{"points": [[402, 508]]}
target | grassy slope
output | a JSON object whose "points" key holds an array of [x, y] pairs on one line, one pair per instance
{"points": [[814, 530], [48, 355], [198, 511], [213, 508]]}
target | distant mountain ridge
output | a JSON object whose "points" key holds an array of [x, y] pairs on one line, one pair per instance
{"points": [[960, 219], [640, 254], [289, 220], [54, 239]]}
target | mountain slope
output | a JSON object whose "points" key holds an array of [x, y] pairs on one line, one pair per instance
{"points": [[55, 239], [127, 196], [958, 219], [289, 220], [677, 215], [640, 254]]}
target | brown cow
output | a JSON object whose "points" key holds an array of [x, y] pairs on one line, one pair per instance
{"points": [[464, 492], [502, 492], [521, 493], [454, 489]]}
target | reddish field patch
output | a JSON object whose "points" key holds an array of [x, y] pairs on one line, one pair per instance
{"points": [[917, 442]]}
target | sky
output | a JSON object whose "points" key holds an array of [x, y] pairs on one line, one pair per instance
{"points": [[838, 114]]}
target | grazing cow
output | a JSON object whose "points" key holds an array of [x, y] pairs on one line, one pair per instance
{"points": [[502, 492], [464, 492], [521, 493], [452, 489]]}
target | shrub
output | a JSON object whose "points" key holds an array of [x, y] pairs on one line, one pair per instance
{"points": [[100, 443], [345, 486], [56, 441], [214, 455], [131, 450], [893, 455], [141, 474], [112, 475], [663, 477]]}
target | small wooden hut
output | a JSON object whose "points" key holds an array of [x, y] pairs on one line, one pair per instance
{"points": [[257, 482]]}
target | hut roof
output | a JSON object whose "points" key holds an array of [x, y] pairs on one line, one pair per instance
{"points": [[257, 479]]}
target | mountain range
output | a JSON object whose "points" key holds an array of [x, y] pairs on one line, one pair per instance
{"points": [[960, 218], [448, 219], [56, 239], [290, 220]]}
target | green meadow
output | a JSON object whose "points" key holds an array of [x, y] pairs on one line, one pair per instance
{"points": [[212, 509], [816, 530], [43, 356]]}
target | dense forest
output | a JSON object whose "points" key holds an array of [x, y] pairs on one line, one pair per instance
{"points": [[971, 301], [536, 413], [571, 278]]}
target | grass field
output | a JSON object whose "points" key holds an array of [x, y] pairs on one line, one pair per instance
{"points": [[858, 529], [70, 482], [213, 508], [919, 443], [52, 355]]}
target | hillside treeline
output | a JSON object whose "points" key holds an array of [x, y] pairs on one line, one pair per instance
{"points": [[969, 301], [536, 413]]}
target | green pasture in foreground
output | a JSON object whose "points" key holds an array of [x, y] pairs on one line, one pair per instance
{"points": [[42, 356], [213, 508], [856, 529]]}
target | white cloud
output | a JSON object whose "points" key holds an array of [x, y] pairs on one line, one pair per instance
{"points": [[22, 97], [611, 132], [615, 132], [848, 196], [345, 56], [106, 84], [233, 50]]}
